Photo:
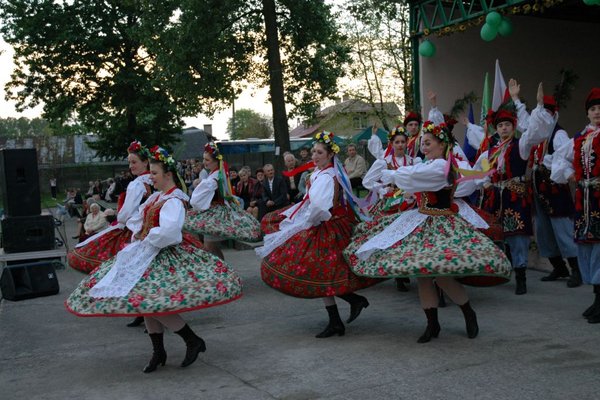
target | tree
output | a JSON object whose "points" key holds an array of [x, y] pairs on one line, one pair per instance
{"points": [[216, 47], [89, 61], [249, 124], [381, 67]]}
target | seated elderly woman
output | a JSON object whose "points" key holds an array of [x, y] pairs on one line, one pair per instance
{"points": [[94, 222]]}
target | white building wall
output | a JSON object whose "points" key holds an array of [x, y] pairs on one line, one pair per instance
{"points": [[536, 51]]}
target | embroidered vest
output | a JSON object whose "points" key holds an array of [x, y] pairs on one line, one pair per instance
{"points": [[438, 203], [587, 195]]}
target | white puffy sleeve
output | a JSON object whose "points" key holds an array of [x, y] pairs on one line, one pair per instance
{"points": [[204, 193], [522, 116], [465, 188], [418, 178], [321, 194], [540, 127], [435, 116], [172, 216], [562, 163], [560, 138], [133, 197], [372, 179], [134, 224], [475, 134], [375, 147]]}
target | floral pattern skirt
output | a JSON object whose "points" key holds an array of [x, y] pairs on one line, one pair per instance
{"points": [[440, 246], [225, 222], [270, 222], [180, 278], [310, 264], [89, 257]]}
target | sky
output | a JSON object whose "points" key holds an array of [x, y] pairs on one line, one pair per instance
{"points": [[254, 99]]}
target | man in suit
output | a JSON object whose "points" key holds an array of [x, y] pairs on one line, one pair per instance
{"points": [[275, 194]]}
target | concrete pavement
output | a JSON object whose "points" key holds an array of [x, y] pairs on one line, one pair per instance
{"points": [[263, 347]]}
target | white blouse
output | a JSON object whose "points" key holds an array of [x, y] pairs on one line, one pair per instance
{"points": [[133, 197], [205, 191]]}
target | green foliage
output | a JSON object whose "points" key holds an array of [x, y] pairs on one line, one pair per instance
{"points": [[564, 89], [248, 124], [460, 105], [15, 128], [89, 61]]}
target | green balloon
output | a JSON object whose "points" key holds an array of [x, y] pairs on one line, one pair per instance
{"points": [[488, 32], [426, 49], [505, 28], [494, 19], [590, 2]]}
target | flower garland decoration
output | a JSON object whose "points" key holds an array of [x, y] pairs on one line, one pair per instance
{"points": [[211, 148], [439, 131], [162, 155], [137, 147], [398, 130], [326, 138]]}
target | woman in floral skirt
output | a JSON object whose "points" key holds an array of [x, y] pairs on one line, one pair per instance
{"points": [[158, 275], [88, 255], [433, 241], [215, 213], [304, 257]]}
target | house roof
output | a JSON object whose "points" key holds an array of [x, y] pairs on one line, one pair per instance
{"points": [[191, 144], [359, 106]]}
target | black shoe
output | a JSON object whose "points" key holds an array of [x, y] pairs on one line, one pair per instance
{"points": [[137, 321], [194, 345], [521, 279], [470, 320], [559, 270], [192, 351], [595, 307], [156, 360], [357, 303], [433, 326], [575, 278], [335, 325], [401, 284]]}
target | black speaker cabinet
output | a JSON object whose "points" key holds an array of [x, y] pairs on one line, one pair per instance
{"points": [[22, 234], [29, 280], [20, 182]]}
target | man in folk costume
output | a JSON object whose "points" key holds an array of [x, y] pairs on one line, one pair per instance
{"points": [[508, 195], [554, 206], [412, 124]]}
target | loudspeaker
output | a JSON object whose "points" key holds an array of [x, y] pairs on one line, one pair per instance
{"points": [[26, 281], [22, 234], [20, 182]]}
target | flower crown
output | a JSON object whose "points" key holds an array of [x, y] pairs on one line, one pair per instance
{"points": [[162, 155], [137, 147], [439, 131], [326, 138], [398, 130], [212, 149]]}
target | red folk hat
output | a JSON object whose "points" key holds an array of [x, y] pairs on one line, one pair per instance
{"points": [[412, 116], [593, 98], [550, 103], [505, 115]]}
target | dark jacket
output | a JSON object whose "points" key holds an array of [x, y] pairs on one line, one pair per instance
{"points": [[279, 193]]}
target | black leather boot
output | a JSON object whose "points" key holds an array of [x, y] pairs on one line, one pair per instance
{"points": [[335, 325], [521, 279], [433, 326], [575, 278], [357, 303], [591, 310], [159, 355], [470, 320], [137, 321], [194, 345], [559, 269]]}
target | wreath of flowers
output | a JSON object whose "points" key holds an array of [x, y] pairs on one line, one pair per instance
{"points": [[212, 149], [439, 131], [326, 138], [398, 130], [137, 147], [162, 155]]}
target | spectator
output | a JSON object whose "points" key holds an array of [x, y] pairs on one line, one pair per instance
{"points": [[94, 222], [304, 178], [90, 190], [304, 155], [274, 194], [245, 187], [292, 181], [233, 176], [53, 188], [98, 189], [256, 197], [73, 201], [355, 165], [110, 195]]}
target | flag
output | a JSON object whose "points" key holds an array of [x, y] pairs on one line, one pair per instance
{"points": [[469, 150], [486, 100], [500, 94]]}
